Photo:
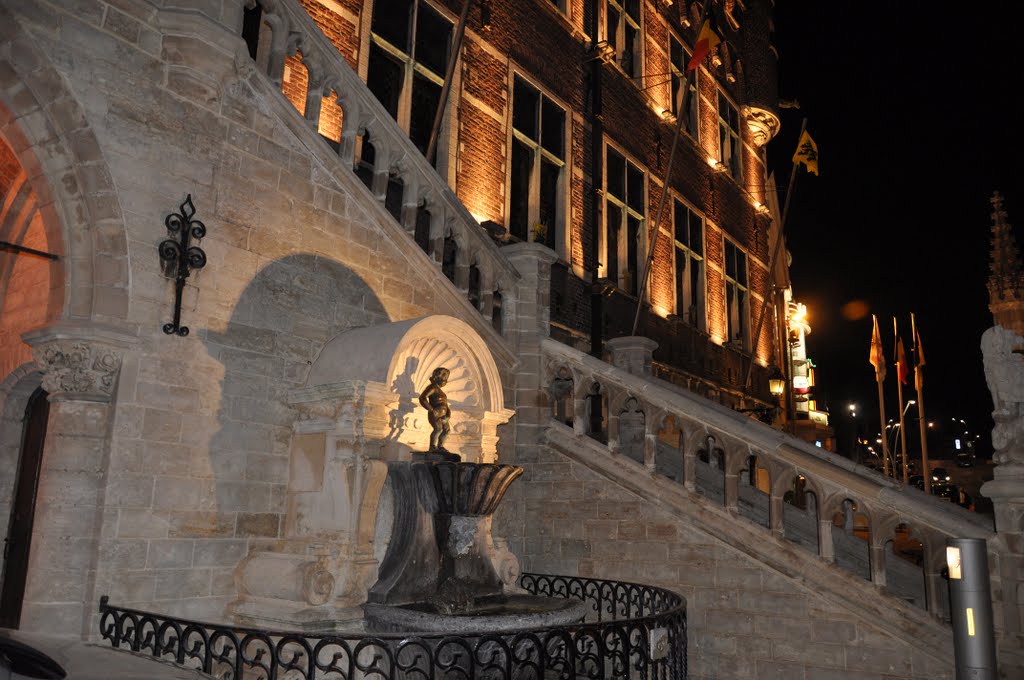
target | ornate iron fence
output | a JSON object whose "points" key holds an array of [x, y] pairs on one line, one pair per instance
{"points": [[632, 631]]}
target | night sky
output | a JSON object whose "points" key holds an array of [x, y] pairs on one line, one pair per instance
{"points": [[913, 111]]}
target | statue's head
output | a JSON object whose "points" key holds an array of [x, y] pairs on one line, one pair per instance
{"points": [[440, 375]]}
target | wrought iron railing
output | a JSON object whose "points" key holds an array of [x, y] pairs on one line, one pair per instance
{"points": [[631, 631]]}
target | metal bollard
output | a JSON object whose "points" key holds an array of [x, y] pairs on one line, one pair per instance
{"points": [[974, 643]]}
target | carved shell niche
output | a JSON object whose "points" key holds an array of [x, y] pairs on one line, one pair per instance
{"points": [[421, 357]]}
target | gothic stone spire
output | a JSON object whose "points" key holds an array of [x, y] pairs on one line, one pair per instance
{"points": [[1006, 278]]}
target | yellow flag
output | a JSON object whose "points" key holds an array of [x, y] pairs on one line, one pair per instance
{"points": [[877, 356], [807, 153]]}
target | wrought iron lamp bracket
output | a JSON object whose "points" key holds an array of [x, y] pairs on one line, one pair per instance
{"points": [[179, 258]]}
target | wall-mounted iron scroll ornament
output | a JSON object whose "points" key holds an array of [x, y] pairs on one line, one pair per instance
{"points": [[179, 258]]}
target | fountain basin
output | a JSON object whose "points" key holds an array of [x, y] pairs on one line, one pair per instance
{"points": [[491, 614], [464, 489]]}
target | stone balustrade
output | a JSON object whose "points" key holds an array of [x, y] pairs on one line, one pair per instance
{"points": [[373, 146], [867, 524]]}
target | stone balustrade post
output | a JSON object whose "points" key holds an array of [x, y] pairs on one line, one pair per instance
{"points": [[775, 510], [632, 353], [614, 443], [80, 368], [877, 553], [690, 469], [650, 446], [826, 549], [579, 416], [732, 491], [934, 583]]}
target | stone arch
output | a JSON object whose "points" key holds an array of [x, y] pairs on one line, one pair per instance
{"points": [[561, 394], [852, 548], [801, 510], [43, 123], [736, 453], [903, 556], [595, 411], [397, 360]]}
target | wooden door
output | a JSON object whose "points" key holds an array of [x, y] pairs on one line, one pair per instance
{"points": [[19, 533]]}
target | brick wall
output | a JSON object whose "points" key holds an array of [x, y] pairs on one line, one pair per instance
{"points": [[26, 281], [550, 49]]}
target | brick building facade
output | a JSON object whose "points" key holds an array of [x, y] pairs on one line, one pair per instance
{"points": [[559, 130]]}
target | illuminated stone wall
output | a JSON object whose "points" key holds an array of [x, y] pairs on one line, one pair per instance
{"points": [[167, 458]]}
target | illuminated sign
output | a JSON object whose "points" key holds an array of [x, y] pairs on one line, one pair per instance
{"points": [[953, 562]]}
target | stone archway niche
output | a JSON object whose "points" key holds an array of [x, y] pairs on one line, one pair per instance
{"points": [[357, 411]]}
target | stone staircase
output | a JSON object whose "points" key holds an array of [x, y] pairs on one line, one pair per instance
{"points": [[861, 543], [692, 458]]}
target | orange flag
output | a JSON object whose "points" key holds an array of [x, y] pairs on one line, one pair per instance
{"points": [[877, 356], [902, 371]]}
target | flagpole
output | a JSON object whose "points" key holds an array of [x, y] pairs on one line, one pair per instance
{"points": [[900, 359], [771, 265], [881, 416], [680, 115], [919, 386], [877, 359]]}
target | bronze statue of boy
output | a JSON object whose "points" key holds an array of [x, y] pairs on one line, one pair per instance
{"points": [[435, 401]]}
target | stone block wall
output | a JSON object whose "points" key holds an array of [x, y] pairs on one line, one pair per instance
{"points": [[744, 620], [193, 462]]}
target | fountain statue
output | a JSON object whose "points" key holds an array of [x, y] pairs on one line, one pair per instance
{"points": [[439, 570]]}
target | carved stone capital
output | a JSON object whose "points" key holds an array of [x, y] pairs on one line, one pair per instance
{"points": [[77, 369], [762, 123], [80, 360]]}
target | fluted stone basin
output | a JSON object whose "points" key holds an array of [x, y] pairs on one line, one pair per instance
{"points": [[465, 489], [439, 573]]}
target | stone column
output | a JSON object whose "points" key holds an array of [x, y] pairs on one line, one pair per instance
{"points": [[80, 369], [1003, 353], [525, 328], [632, 353], [532, 295]]}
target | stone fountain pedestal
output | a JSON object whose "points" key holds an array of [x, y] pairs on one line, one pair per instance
{"points": [[440, 573]]}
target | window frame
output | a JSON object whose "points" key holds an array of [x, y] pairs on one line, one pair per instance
{"points": [[539, 155], [726, 132], [693, 97], [619, 39], [560, 6], [627, 211], [732, 285], [698, 316], [411, 67]]}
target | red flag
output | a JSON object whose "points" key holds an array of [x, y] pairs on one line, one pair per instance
{"points": [[707, 39], [877, 356], [902, 371]]}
